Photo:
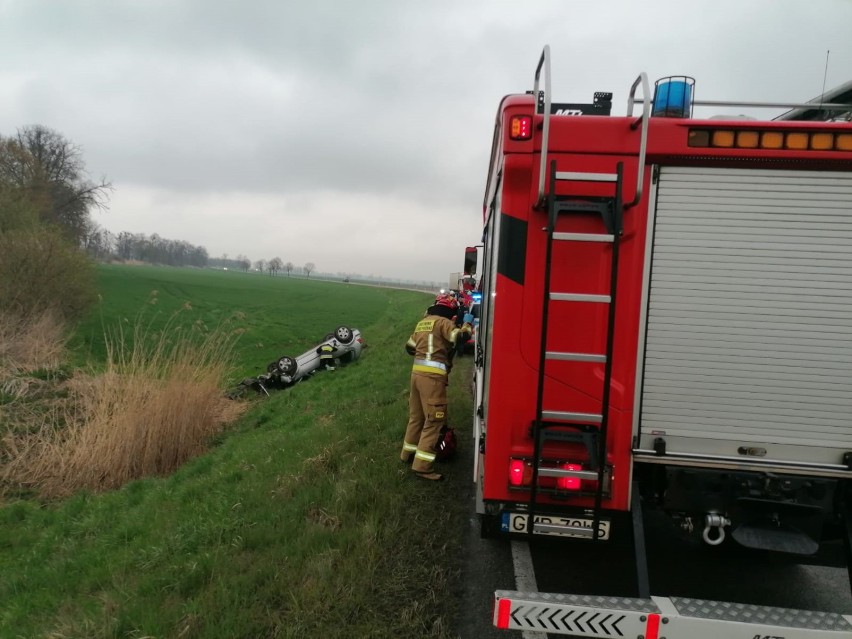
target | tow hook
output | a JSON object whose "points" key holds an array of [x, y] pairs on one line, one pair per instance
{"points": [[718, 522]]}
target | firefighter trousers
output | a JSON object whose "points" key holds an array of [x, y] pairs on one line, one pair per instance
{"points": [[427, 414]]}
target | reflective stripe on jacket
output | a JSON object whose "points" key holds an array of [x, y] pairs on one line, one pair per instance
{"points": [[426, 366], [433, 342]]}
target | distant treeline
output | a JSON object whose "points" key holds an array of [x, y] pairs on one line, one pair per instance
{"points": [[104, 245]]}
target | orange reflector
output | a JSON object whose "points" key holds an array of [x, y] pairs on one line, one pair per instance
{"points": [[822, 141], [797, 141], [751, 139], [521, 127], [772, 140], [504, 609], [747, 139], [652, 628], [723, 138]]}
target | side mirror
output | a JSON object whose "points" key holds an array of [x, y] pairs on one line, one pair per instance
{"points": [[470, 259]]}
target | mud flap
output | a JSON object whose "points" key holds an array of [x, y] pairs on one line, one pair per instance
{"points": [[846, 513], [643, 585]]}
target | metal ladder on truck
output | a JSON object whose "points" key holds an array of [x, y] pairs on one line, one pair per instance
{"points": [[588, 429]]}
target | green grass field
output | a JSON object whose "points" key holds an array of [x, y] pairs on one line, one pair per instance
{"points": [[299, 522], [280, 315]]}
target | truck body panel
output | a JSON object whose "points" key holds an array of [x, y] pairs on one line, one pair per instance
{"points": [[748, 342], [665, 324]]}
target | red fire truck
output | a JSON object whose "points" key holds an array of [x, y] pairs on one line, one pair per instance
{"points": [[666, 323]]}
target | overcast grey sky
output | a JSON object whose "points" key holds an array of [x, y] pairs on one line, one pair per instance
{"points": [[356, 135]]}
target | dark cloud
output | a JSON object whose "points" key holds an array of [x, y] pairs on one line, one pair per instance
{"points": [[377, 98]]}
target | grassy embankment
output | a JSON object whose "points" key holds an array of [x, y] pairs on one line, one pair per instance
{"points": [[298, 522]]}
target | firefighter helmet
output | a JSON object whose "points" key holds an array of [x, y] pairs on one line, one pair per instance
{"points": [[445, 299]]}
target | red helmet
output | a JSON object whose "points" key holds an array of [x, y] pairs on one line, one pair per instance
{"points": [[445, 299]]}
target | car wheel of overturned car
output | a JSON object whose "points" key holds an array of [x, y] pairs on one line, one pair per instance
{"points": [[343, 334], [287, 365]]}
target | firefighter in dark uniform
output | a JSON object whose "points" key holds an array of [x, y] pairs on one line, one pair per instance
{"points": [[432, 345]]}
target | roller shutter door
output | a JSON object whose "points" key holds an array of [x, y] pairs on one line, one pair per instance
{"points": [[749, 319]]}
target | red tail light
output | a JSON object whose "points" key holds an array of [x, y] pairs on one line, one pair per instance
{"points": [[516, 472], [569, 483], [520, 127], [520, 472]]}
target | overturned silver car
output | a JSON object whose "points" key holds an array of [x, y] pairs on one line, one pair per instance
{"points": [[344, 346]]}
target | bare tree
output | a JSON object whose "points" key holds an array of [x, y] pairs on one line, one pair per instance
{"points": [[244, 262], [260, 265], [98, 242], [50, 170], [124, 244], [289, 268], [309, 268], [274, 265]]}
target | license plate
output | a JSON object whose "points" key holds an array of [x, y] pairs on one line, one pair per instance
{"points": [[517, 523]]}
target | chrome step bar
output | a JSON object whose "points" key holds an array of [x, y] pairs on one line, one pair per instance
{"points": [[588, 475], [564, 416], [583, 237], [580, 297], [586, 177], [576, 357]]}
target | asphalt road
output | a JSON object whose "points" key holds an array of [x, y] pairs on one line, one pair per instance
{"points": [[487, 566], [690, 568], [677, 567]]}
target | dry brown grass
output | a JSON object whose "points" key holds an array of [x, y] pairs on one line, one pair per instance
{"points": [[154, 406], [28, 344]]}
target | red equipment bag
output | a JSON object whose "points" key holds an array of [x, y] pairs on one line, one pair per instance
{"points": [[446, 446]]}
